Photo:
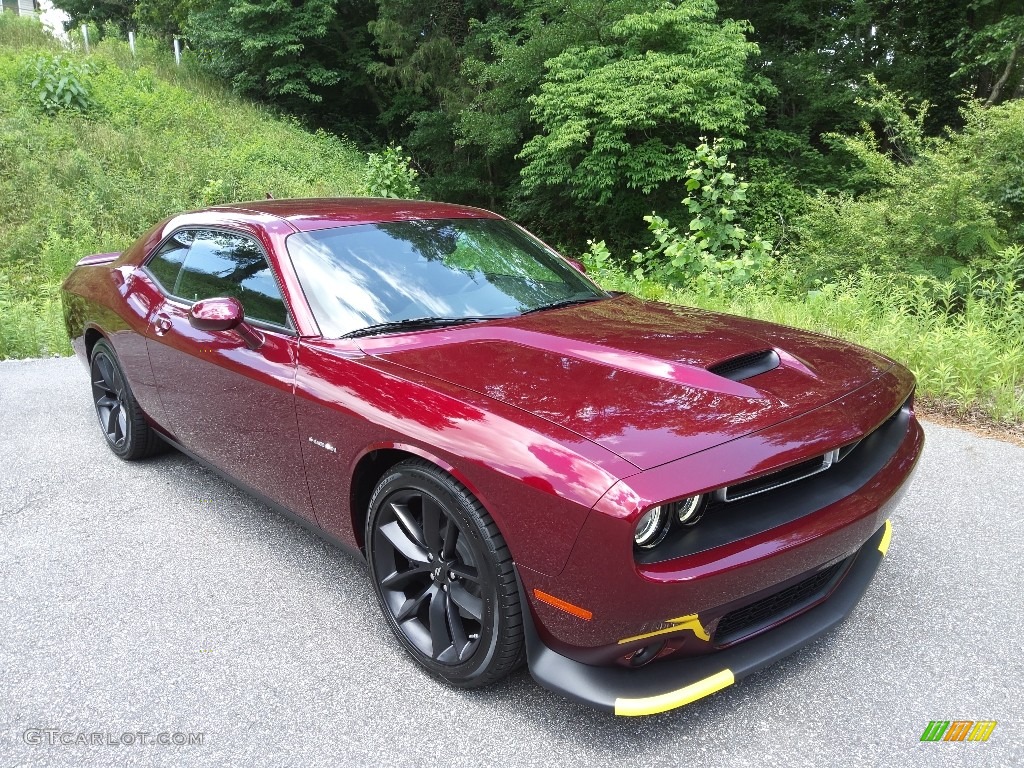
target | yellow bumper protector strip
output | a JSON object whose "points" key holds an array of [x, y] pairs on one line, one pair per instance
{"points": [[651, 705], [883, 545], [683, 622]]}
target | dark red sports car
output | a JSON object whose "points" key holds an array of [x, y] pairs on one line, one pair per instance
{"points": [[645, 502]]}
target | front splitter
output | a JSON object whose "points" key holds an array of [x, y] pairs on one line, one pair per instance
{"points": [[665, 685]]}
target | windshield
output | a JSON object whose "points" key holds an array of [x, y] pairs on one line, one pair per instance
{"points": [[373, 274]]}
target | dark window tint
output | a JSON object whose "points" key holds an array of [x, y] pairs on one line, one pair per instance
{"points": [[166, 263], [222, 264]]}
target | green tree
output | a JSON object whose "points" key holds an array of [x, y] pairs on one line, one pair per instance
{"points": [[166, 18], [100, 12], [307, 56], [989, 50], [617, 119], [421, 50], [163, 18], [264, 47]]}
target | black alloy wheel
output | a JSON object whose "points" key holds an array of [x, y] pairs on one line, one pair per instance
{"points": [[444, 576], [121, 419]]}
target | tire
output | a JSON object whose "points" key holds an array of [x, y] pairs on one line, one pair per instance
{"points": [[127, 433], [443, 576]]}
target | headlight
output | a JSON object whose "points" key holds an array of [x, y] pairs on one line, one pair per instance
{"points": [[688, 511], [651, 527]]}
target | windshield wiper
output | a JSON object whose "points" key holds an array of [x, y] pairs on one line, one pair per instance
{"points": [[562, 303], [412, 324]]}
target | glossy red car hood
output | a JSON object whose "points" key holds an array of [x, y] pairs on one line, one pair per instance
{"points": [[632, 375]]}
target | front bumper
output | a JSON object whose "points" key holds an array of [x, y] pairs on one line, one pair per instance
{"points": [[665, 685]]}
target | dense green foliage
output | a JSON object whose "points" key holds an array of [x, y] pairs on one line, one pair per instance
{"points": [[623, 113], [960, 200], [54, 82], [301, 56], [156, 141], [851, 146], [389, 174], [580, 117], [715, 246]]}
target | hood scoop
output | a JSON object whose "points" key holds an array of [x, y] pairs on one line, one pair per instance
{"points": [[746, 366]]}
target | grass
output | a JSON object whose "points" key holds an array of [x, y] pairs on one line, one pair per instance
{"points": [[160, 139]]}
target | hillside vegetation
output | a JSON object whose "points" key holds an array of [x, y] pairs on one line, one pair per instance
{"points": [[893, 229], [151, 139]]}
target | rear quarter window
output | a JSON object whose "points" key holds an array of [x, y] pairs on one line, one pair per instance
{"points": [[166, 263]]}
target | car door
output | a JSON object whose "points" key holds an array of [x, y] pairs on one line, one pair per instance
{"points": [[231, 405]]}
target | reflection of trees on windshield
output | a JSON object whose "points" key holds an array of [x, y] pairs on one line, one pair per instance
{"points": [[376, 273], [474, 245], [485, 253], [431, 239]]}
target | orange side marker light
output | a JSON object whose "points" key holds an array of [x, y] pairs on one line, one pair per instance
{"points": [[574, 610]]}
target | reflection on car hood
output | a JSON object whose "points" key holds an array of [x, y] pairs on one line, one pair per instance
{"points": [[632, 376]]}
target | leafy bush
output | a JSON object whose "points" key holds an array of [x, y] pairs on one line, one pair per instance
{"points": [[389, 174], [936, 205], [620, 114], [55, 82], [715, 249]]}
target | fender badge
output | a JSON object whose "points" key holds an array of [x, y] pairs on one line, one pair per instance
{"points": [[322, 444]]}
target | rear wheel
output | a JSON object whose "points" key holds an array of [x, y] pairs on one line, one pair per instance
{"points": [[443, 576], [122, 422]]}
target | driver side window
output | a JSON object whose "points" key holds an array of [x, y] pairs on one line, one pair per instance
{"points": [[220, 264]]}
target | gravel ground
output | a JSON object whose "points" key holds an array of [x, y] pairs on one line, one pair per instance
{"points": [[154, 597]]}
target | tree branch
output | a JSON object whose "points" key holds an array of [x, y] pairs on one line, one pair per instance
{"points": [[993, 97]]}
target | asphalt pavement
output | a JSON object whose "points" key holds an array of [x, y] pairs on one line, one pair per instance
{"points": [[153, 598]]}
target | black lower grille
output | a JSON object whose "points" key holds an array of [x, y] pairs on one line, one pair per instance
{"points": [[770, 609]]}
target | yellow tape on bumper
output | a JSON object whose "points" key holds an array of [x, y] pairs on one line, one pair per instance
{"points": [[883, 545], [691, 622], [666, 701]]}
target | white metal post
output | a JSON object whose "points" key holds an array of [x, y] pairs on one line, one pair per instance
{"points": [[85, 36], [131, 41], [177, 52]]}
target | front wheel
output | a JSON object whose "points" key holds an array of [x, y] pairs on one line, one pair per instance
{"points": [[443, 575]]}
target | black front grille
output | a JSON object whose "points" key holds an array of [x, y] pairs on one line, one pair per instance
{"points": [[746, 366], [770, 609]]}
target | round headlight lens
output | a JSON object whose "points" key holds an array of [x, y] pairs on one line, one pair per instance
{"points": [[651, 527], [688, 510]]}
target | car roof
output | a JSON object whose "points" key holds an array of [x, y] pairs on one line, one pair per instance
{"points": [[307, 214]]}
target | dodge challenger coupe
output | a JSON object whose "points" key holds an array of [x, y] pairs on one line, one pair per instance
{"points": [[644, 502]]}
